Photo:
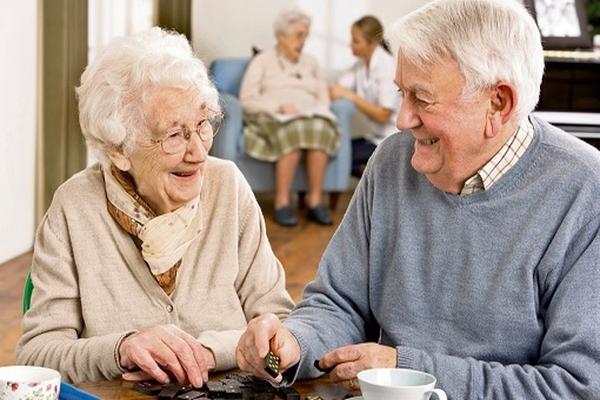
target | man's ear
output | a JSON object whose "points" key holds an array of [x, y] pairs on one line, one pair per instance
{"points": [[501, 108], [115, 153]]}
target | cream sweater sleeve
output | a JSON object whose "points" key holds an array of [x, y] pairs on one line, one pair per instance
{"points": [[260, 283], [53, 325]]}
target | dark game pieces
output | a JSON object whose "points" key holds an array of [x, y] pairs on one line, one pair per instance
{"points": [[233, 386], [326, 370], [225, 388], [264, 396], [148, 387], [191, 395], [288, 393], [272, 364], [170, 391]]}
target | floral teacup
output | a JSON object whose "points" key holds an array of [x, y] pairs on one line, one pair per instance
{"points": [[22, 382]]}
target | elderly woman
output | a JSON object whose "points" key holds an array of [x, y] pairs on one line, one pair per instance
{"points": [[150, 263], [286, 106]]}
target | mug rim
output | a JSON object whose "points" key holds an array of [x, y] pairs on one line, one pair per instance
{"points": [[413, 371], [47, 374]]}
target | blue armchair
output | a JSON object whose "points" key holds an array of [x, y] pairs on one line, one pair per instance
{"points": [[227, 74]]}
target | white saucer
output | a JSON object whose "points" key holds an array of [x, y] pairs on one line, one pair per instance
{"points": [[355, 398]]}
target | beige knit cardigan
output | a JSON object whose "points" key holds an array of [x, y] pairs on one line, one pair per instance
{"points": [[271, 81], [92, 286]]}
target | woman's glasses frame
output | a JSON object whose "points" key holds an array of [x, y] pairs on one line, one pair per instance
{"points": [[178, 138]]}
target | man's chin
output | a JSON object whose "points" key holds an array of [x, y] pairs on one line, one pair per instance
{"points": [[423, 166]]}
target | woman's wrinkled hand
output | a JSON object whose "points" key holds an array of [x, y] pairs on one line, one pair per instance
{"points": [[166, 350], [288, 108]]}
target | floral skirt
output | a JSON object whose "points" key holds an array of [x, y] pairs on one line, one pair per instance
{"points": [[268, 139]]}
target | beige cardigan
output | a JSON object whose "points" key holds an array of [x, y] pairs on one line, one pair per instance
{"points": [[271, 80], [92, 285]]}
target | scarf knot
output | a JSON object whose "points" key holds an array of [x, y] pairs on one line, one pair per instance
{"points": [[162, 239]]}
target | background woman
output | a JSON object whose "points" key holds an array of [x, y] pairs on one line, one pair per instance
{"points": [[287, 114], [149, 263], [369, 84]]}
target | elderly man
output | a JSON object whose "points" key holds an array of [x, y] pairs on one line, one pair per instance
{"points": [[470, 249]]}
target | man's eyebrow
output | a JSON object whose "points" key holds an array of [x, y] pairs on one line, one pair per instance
{"points": [[417, 88]]}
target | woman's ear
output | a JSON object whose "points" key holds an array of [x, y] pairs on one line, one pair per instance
{"points": [[115, 153], [501, 108]]}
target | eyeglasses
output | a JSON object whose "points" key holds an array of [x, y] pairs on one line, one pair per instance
{"points": [[177, 139]]}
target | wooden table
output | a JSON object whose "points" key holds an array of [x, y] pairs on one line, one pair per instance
{"points": [[121, 390]]}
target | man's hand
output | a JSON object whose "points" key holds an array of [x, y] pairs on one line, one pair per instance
{"points": [[350, 360], [266, 333], [166, 349]]}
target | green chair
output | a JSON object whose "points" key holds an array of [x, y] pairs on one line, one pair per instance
{"points": [[27, 291]]}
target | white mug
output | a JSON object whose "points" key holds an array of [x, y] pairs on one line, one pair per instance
{"points": [[397, 384], [26, 382]]}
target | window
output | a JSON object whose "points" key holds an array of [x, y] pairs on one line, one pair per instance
{"points": [[330, 31], [108, 19], [112, 18]]}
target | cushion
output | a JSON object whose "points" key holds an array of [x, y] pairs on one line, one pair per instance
{"points": [[227, 74]]}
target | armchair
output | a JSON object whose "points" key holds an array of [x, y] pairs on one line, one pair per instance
{"points": [[227, 74]]}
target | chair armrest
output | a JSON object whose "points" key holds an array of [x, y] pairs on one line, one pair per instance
{"points": [[342, 162], [225, 144], [27, 292]]}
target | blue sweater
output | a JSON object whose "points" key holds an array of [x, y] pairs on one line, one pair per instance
{"points": [[497, 293]]}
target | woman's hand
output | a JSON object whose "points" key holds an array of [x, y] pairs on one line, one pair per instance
{"points": [[266, 333], [163, 350], [337, 91], [288, 108]]}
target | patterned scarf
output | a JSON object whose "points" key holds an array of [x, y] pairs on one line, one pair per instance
{"points": [[162, 239]]}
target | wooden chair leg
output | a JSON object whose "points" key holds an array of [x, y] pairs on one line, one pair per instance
{"points": [[333, 200]]}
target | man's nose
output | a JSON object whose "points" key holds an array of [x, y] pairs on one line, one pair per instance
{"points": [[407, 116]]}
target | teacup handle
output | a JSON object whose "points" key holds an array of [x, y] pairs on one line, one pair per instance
{"points": [[441, 395]]}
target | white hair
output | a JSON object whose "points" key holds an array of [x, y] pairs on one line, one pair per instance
{"points": [[491, 40], [287, 18], [113, 87]]}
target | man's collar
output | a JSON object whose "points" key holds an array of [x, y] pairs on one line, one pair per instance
{"points": [[501, 162]]}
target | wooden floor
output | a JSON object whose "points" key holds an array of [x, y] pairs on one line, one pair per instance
{"points": [[299, 249]]}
